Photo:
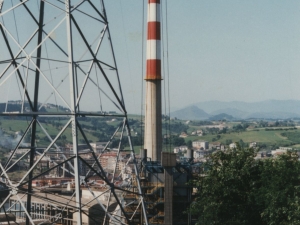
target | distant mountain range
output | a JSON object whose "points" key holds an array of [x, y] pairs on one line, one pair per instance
{"points": [[190, 113], [217, 110]]}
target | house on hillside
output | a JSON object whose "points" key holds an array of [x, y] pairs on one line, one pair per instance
{"points": [[253, 145], [183, 135], [199, 132], [278, 152], [232, 145], [215, 145]]}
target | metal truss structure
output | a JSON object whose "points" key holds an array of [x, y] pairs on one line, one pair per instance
{"points": [[58, 75]]}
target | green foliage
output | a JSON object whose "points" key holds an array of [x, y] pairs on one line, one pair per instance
{"points": [[176, 127], [222, 198], [284, 123], [136, 141], [189, 144], [278, 193], [235, 188], [293, 136], [213, 130], [262, 123], [240, 127], [228, 141], [272, 129], [201, 123], [177, 141]]}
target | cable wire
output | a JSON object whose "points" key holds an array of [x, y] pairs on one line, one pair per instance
{"points": [[164, 72], [168, 74], [142, 80], [165, 48], [99, 92]]}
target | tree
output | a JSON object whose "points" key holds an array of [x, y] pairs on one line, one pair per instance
{"points": [[234, 188], [278, 193], [178, 141], [189, 144], [228, 141], [224, 189], [242, 143]]}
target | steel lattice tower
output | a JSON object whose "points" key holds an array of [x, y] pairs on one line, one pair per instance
{"points": [[59, 82]]}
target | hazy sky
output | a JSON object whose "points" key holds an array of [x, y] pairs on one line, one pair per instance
{"points": [[227, 50], [218, 50]]}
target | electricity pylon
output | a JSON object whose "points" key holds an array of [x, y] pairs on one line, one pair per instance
{"points": [[59, 83]]}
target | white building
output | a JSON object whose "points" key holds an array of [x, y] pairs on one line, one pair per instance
{"points": [[200, 144], [278, 152], [183, 135], [286, 148], [197, 154], [253, 145], [200, 154], [215, 145], [179, 149], [176, 150], [200, 133], [220, 126], [98, 146], [232, 145], [111, 163]]}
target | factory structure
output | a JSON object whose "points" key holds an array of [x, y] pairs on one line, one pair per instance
{"points": [[83, 182], [164, 180]]}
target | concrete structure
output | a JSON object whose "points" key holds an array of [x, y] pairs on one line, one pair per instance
{"points": [[158, 174], [45, 213], [176, 150], [166, 190], [200, 154], [168, 162], [232, 145], [278, 152], [98, 146], [179, 149], [252, 145], [198, 133], [200, 144], [183, 135], [219, 126], [286, 148], [189, 154], [153, 126], [215, 145], [7, 217]]}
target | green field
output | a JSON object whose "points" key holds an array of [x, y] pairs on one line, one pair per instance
{"points": [[261, 136], [10, 126], [266, 137]]}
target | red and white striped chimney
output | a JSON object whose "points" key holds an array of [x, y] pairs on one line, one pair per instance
{"points": [[153, 41], [153, 124]]}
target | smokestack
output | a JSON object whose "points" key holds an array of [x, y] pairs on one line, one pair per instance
{"points": [[143, 154], [153, 126]]}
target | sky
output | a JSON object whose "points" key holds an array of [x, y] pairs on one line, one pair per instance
{"points": [[218, 50], [233, 50]]}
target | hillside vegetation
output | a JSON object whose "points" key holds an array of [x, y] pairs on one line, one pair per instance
{"points": [[269, 134]]}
